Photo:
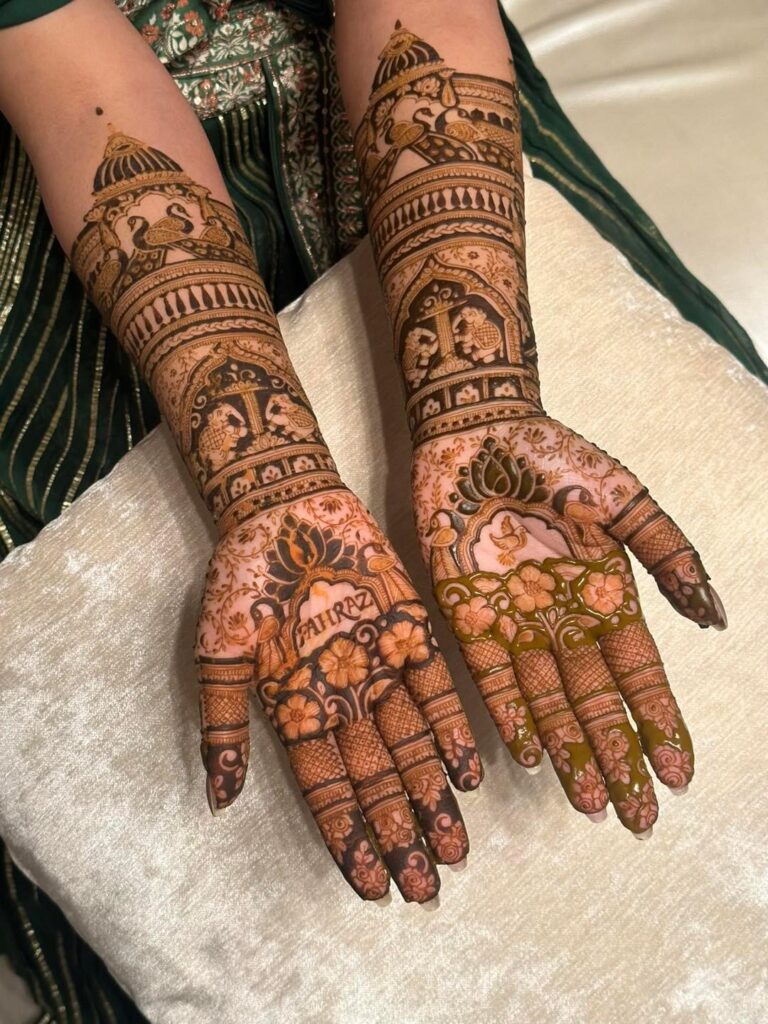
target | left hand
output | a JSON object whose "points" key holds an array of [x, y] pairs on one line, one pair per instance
{"points": [[523, 524]]}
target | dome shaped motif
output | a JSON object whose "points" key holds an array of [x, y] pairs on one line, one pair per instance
{"points": [[405, 58], [126, 161]]}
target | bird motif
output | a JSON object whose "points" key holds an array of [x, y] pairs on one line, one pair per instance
{"points": [[513, 536], [164, 232], [297, 423], [384, 564], [445, 531], [269, 651], [224, 427], [578, 506]]}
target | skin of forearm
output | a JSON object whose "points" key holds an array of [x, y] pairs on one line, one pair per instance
{"points": [[439, 149], [162, 254]]}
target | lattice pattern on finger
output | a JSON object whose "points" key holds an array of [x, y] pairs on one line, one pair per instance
{"points": [[484, 656], [629, 649], [537, 673], [315, 761], [654, 541], [584, 672], [428, 682], [222, 705], [363, 750], [398, 718]]}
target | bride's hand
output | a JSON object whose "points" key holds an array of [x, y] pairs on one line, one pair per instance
{"points": [[310, 606], [523, 524]]}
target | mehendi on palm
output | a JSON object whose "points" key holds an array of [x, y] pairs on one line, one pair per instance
{"points": [[521, 520], [305, 602]]}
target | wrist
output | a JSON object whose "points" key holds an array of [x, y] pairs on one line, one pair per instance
{"points": [[281, 493], [472, 400]]}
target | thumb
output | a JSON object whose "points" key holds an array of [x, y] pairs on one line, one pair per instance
{"points": [[661, 546], [225, 742]]}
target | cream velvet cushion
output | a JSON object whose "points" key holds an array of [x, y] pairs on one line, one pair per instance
{"points": [[244, 917]]}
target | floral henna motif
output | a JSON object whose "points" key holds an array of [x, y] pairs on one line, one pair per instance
{"points": [[522, 521], [304, 600], [331, 638]]}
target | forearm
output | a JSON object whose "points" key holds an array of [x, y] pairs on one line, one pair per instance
{"points": [[438, 142], [136, 199]]}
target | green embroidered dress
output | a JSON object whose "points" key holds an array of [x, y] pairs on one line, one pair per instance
{"points": [[261, 77]]}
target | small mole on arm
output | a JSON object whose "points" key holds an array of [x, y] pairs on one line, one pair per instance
{"points": [[99, 111]]}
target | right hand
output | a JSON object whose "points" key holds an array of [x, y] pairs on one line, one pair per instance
{"points": [[310, 605]]}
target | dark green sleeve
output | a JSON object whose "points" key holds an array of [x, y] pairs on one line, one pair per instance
{"points": [[14, 12]]}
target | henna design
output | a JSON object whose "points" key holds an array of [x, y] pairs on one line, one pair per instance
{"points": [[304, 601], [441, 171], [171, 271], [521, 520], [311, 609]]}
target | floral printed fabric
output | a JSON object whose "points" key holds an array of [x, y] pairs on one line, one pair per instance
{"points": [[229, 54]]}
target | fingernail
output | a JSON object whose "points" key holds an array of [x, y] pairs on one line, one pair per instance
{"points": [[598, 816], [384, 901], [458, 866], [644, 835], [680, 790], [722, 622], [535, 770], [212, 799], [432, 904]]}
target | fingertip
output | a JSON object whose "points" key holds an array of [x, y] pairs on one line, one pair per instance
{"points": [[213, 804], [432, 904], [597, 816], [721, 622]]}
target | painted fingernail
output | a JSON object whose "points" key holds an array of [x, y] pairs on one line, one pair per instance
{"points": [[458, 866], [384, 901], [535, 769], [680, 790], [722, 622], [432, 904], [644, 835], [598, 816]]}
